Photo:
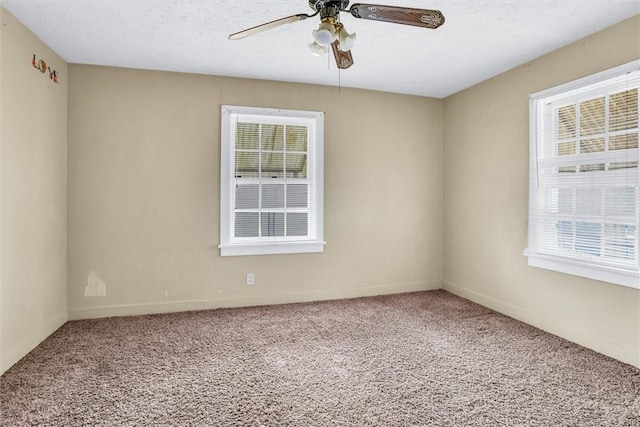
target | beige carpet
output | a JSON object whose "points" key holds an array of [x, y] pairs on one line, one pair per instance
{"points": [[419, 359]]}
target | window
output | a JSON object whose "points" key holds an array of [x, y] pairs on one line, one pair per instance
{"points": [[584, 181], [271, 181]]}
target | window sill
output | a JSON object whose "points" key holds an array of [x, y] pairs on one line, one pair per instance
{"points": [[241, 249], [612, 275]]}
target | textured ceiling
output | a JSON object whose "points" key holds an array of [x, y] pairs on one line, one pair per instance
{"points": [[478, 40]]}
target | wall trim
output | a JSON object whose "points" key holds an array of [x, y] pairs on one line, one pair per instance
{"points": [[551, 325], [26, 345], [294, 297]]}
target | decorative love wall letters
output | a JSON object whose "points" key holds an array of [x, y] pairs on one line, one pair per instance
{"points": [[42, 66]]}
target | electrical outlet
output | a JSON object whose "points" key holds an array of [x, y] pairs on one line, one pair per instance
{"points": [[251, 279]]}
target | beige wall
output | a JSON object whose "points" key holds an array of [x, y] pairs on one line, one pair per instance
{"points": [[486, 195], [144, 156], [33, 213]]}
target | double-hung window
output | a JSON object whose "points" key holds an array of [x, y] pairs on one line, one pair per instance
{"points": [[271, 181], [584, 181]]}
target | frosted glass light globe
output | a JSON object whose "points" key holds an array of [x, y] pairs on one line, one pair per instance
{"points": [[325, 34]]}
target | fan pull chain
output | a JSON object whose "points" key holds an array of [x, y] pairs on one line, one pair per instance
{"points": [[339, 69]]}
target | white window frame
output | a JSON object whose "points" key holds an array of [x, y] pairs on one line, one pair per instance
{"points": [[313, 242], [628, 276]]}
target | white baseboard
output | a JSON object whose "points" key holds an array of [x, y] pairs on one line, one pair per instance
{"points": [[549, 324], [190, 305], [21, 349]]}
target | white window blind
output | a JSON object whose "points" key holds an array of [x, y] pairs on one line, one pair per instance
{"points": [[584, 181], [271, 183]]}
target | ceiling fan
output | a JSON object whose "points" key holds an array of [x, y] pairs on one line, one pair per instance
{"points": [[332, 32]]}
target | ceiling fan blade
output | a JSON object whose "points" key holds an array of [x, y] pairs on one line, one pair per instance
{"points": [[399, 15], [344, 59], [269, 25]]}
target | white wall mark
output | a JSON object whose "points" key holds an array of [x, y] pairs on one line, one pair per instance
{"points": [[95, 286]]}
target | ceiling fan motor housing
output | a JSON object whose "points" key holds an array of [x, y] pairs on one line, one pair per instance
{"points": [[328, 7]]}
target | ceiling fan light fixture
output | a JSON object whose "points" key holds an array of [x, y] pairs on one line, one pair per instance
{"points": [[325, 34], [345, 39], [318, 49], [332, 32]]}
